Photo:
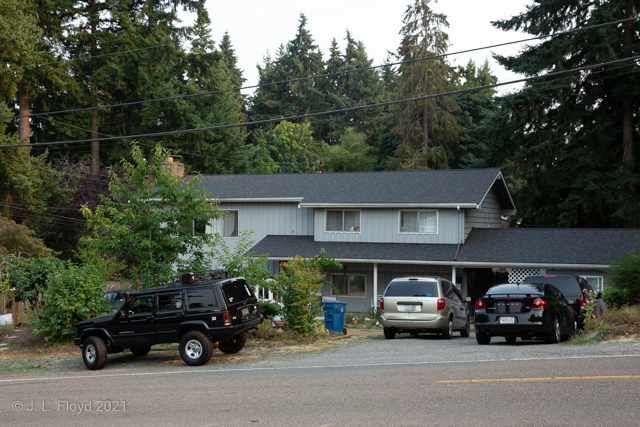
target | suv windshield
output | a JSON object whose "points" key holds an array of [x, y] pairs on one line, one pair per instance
{"points": [[413, 288]]}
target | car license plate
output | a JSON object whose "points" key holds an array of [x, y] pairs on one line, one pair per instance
{"points": [[507, 319], [409, 307], [245, 312]]}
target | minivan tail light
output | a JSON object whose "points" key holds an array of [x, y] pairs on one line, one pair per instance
{"points": [[480, 305], [226, 317], [539, 303], [583, 303], [381, 303], [441, 304]]}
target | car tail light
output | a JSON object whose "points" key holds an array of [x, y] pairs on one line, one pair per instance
{"points": [[583, 303], [382, 304], [480, 305], [226, 316], [539, 303], [441, 304]]}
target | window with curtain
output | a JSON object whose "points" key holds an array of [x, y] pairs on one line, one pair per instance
{"points": [[227, 226], [418, 222], [343, 220], [352, 285]]}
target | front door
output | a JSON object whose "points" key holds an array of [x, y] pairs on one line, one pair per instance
{"points": [[169, 316], [137, 328]]}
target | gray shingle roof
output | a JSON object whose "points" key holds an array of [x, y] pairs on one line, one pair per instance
{"points": [[501, 246], [596, 246], [463, 186], [289, 246]]}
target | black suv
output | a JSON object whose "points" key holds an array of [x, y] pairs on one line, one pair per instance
{"points": [[574, 288], [201, 311]]}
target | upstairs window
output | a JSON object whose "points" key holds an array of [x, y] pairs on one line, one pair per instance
{"points": [[418, 222], [343, 221], [227, 226]]}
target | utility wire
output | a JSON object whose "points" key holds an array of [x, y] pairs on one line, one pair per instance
{"points": [[100, 107], [342, 110]]}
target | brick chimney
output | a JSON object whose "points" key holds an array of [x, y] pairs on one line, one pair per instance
{"points": [[174, 165]]}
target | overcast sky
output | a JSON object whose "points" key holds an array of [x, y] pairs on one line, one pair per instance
{"points": [[258, 26]]}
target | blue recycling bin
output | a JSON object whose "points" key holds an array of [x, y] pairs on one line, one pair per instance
{"points": [[334, 316]]}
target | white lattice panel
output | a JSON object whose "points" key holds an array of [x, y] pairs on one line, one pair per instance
{"points": [[517, 275]]}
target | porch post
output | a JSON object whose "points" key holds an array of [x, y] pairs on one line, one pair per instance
{"points": [[453, 275], [375, 285]]}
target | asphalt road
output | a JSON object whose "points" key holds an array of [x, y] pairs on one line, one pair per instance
{"points": [[406, 381]]}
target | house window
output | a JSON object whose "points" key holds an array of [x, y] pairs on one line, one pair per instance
{"points": [[352, 285], [343, 220], [195, 228], [227, 226], [418, 221], [596, 282]]}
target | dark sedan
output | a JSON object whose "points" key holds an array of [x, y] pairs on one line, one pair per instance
{"points": [[525, 310]]}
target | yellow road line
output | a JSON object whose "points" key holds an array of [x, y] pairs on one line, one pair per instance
{"points": [[543, 379]]}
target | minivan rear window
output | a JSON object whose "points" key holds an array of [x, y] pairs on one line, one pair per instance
{"points": [[412, 289]]}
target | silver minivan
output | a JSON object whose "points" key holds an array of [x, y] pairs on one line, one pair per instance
{"points": [[423, 304]]}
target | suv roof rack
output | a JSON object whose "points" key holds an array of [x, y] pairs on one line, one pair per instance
{"points": [[192, 277]]}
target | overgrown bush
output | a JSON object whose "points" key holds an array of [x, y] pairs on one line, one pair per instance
{"points": [[72, 294], [624, 288], [269, 309], [27, 278], [298, 283]]}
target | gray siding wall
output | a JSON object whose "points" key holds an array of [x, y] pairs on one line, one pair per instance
{"points": [[487, 216], [386, 272], [383, 226], [269, 218]]}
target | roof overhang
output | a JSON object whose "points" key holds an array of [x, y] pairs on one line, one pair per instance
{"points": [[392, 205], [501, 188], [257, 200], [462, 264]]}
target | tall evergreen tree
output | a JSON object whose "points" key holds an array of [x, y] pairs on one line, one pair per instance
{"points": [[569, 142], [427, 130]]}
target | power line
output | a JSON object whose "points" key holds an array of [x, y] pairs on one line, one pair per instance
{"points": [[100, 107], [322, 113]]}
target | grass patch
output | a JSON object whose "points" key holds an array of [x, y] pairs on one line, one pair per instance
{"points": [[617, 324], [21, 368]]}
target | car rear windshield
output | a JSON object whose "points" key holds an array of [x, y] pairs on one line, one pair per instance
{"points": [[568, 285], [517, 289], [412, 288], [237, 292]]}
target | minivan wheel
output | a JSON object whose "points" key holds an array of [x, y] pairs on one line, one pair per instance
{"points": [[195, 348], [94, 353], [555, 335], [467, 329], [389, 333], [233, 344], [483, 338], [447, 332]]}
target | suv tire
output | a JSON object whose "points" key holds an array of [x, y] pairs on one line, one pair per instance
{"points": [[447, 332], [196, 348], [233, 344], [389, 333], [467, 329], [94, 353], [140, 351]]}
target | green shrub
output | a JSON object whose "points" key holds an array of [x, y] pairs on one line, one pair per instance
{"points": [[624, 288], [269, 309], [72, 294], [28, 277]]}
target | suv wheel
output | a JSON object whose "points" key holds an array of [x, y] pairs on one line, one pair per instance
{"points": [[447, 332], [555, 336], [140, 351], [94, 353], [195, 348], [467, 329], [483, 338], [233, 344], [389, 333]]}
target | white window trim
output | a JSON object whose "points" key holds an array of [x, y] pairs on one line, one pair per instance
{"points": [[217, 224], [326, 219], [600, 286], [418, 210], [350, 274]]}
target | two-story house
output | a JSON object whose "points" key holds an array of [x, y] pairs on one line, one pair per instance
{"points": [[381, 225]]}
